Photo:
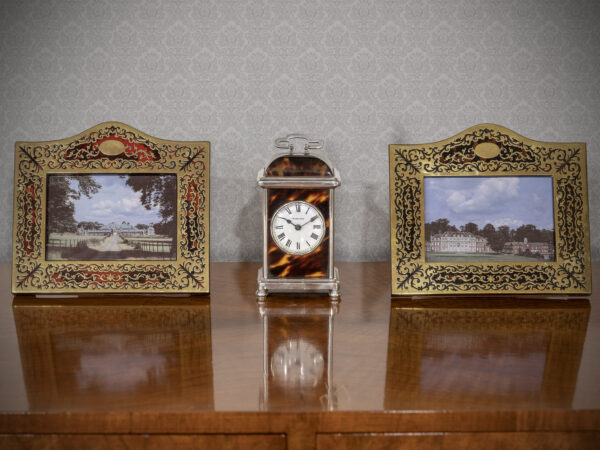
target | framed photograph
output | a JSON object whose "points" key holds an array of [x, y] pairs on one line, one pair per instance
{"points": [[111, 210], [489, 211]]}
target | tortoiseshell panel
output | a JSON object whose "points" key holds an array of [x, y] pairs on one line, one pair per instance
{"points": [[311, 265], [298, 166]]}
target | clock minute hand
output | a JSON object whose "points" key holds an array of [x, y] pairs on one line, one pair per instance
{"points": [[311, 220]]}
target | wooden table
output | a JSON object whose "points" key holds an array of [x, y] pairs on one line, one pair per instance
{"points": [[298, 372]]}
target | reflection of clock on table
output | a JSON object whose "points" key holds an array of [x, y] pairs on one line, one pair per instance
{"points": [[298, 191], [297, 362], [297, 349]]}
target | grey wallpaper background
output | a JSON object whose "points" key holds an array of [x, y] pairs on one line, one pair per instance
{"points": [[360, 74]]}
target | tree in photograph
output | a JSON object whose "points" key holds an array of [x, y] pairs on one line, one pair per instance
{"points": [[61, 194], [533, 234], [158, 191], [494, 237], [488, 231], [141, 226], [470, 228], [504, 231], [547, 236], [528, 231]]}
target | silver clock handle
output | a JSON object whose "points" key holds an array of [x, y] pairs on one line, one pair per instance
{"points": [[290, 142]]}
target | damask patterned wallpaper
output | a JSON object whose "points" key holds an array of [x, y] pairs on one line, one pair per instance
{"points": [[359, 73]]}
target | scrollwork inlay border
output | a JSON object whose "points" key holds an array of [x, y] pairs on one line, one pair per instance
{"points": [[570, 273], [138, 153]]}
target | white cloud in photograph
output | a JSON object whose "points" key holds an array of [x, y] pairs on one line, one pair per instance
{"points": [[491, 193], [512, 201], [115, 202]]}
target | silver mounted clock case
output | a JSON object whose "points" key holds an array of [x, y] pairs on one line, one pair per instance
{"points": [[298, 216]]}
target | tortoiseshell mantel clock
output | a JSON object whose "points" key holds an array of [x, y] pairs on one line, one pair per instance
{"points": [[298, 220]]}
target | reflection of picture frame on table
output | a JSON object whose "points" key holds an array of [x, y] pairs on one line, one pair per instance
{"points": [[111, 210], [489, 211], [137, 352], [465, 354]]}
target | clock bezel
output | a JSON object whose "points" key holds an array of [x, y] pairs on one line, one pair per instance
{"points": [[312, 248]]}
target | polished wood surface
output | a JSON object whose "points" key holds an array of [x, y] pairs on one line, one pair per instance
{"points": [[147, 442], [297, 370], [461, 441]]}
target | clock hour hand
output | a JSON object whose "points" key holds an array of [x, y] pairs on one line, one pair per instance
{"points": [[297, 227]]}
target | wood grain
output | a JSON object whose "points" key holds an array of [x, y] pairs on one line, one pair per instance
{"points": [[77, 369], [147, 442], [460, 441]]}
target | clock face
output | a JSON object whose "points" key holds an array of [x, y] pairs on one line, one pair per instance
{"points": [[297, 228]]}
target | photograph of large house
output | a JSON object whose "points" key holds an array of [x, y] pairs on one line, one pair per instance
{"points": [[458, 241], [489, 219], [111, 217], [123, 228]]}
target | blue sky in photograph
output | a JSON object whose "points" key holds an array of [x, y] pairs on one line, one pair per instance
{"points": [[511, 201], [115, 202]]}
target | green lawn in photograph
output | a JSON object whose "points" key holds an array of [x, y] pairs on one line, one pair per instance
{"points": [[477, 257]]}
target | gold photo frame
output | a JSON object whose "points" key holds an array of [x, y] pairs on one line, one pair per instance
{"points": [[111, 210], [558, 266]]}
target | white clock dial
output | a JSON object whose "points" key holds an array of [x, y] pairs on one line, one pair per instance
{"points": [[297, 228]]}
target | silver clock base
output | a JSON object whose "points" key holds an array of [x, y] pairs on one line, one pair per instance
{"points": [[268, 285]]}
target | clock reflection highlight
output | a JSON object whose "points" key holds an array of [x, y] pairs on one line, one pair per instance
{"points": [[298, 363]]}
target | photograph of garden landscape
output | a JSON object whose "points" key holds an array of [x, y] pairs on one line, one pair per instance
{"points": [[489, 219], [111, 217]]}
